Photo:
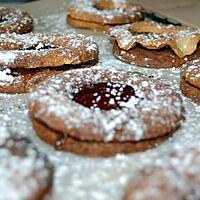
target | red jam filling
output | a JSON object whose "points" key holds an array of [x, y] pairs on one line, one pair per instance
{"points": [[105, 96]]}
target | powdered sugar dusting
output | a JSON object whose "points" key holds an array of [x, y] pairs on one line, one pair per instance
{"points": [[14, 20], [158, 105], [4, 134], [80, 177], [182, 41], [128, 13], [7, 57], [21, 174], [178, 179], [5, 77], [191, 71], [15, 48]]}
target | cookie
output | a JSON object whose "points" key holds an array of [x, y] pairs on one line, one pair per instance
{"points": [[103, 14], [37, 50], [87, 148], [162, 58], [190, 80], [144, 183], [176, 177], [103, 112], [21, 80], [154, 45], [26, 60], [25, 173], [15, 21]]}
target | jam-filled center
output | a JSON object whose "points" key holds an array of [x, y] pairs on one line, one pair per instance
{"points": [[105, 96]]}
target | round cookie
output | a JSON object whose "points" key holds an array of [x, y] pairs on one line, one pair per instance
{"points": [[190, 80], [15, 21], [25, 173], [176, 177], [26, 60], [154, 45], [13, 80], [89, 148], [158, 181], [162, 58], [37, 50], [103, 14], [103, 112]]}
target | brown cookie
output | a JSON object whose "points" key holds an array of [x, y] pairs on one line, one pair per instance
{"points": [[26, 80], [89, 148], [162, 58], [15, 21], [103, 108], [141, 186], [176, 177], [25, 173], [26, 60], [190, 80], [103, 14], [87, 25], [37, 50], [154, 45]]}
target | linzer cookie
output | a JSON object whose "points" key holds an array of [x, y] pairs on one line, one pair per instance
{"points": [[15, 21], [154, 45], [26, 60], [25, 173], [103, 14], [190, 80], [102, 112], [176, 177], [37, 50]]}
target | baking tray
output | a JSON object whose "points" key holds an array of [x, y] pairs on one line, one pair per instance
{"points": [[85, 178]]}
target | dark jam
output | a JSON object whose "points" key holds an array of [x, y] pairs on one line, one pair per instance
{"points": [[105, 96]]}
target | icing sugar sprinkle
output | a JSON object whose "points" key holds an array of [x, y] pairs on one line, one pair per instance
{"points": [[81, 6], [6, 77], [131, 118], [103, 179], [21, 175], [7, 57]]}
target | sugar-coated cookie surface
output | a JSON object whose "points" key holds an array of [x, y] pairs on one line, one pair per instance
{"points": [[14, 80], [190, 80], [177, 178], [79, 177], [15, 21], [28, 59], [25, 173], [103, 14], [36, 50], [151, 44], [133, 108]]}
